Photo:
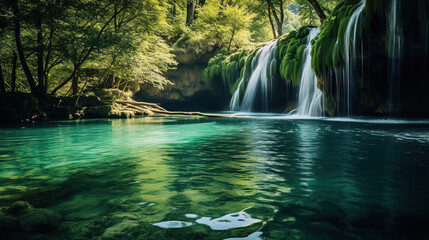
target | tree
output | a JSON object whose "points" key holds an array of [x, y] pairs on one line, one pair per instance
{"points": [[189, 12], [236, 20], [17, 29], [276, 9], [62, 47], [318, 9]]}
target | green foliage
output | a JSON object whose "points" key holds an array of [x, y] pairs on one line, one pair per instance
{"points": [[222, 26], [292, 22], [123, 43]]}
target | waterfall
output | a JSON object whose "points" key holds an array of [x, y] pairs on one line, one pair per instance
{"points": [[394, 49], [258, 86], [310, 97], [235, 100], [350, 71]]}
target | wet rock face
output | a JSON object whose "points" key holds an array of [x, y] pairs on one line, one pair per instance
{"points": [[388, 81], [189, 91]]}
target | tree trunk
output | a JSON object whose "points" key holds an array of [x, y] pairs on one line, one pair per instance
{"points": [[279, 22], [2, 85], [232, 38], [40, 69], [75, 84], [282, 14], [17, 29], [271, 22], [318, 9], [48, 58], [13, 75], [189, 12]]}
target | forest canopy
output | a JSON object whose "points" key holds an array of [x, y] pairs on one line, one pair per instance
{"points": [[66, 46]]}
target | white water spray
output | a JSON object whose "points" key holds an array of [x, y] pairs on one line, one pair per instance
{"points": [[350, 55], [394, 49], [310, 97], [260, 79]]}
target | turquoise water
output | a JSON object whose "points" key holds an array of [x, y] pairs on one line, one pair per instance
{"points": [[196, 178]]}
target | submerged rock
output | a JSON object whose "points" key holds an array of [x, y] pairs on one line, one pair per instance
{"points": [[126, 229], [19, 207]]}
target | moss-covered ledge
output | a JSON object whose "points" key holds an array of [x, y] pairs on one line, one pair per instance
{"points": [[328, 47], [290, 55]]}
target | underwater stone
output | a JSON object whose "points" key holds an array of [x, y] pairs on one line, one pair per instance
{"points": [[18, 207], [123, 230]]}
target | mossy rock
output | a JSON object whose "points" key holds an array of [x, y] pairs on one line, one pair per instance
{"points": [[328, 48], [127, 229], [19, 207]]}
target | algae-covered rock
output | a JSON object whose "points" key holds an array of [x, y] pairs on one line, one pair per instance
{"points": [[19, 207], [127, 229], [290, 55]]}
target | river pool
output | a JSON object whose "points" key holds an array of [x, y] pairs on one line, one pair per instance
{"points": [[198, 178]]}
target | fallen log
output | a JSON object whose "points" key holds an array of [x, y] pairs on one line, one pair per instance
{"points": [[154, 110], [132, 102]]}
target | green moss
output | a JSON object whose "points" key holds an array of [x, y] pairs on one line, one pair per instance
{"points": [[291, 48], [230, 69], [328, 48]]}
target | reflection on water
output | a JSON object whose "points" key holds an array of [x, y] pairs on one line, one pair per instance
{"points": [[229, 221], [173, 224], [191, 178]]}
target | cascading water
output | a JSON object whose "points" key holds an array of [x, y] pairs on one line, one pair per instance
{"points": [[257, 89], [235, 100], [350, 70], [310, 97], [394, 49]]}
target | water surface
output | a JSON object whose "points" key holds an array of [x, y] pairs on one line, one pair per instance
{"points": [[195, 178]]}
